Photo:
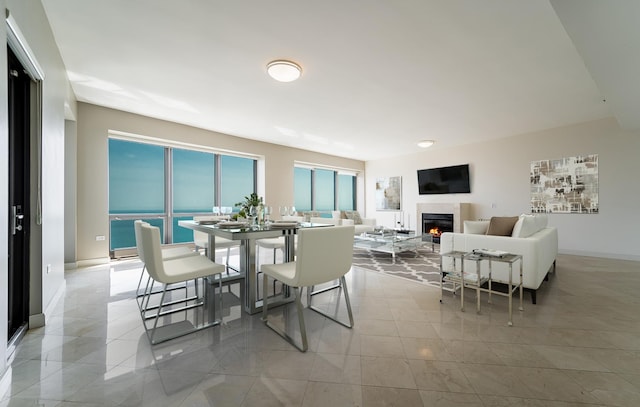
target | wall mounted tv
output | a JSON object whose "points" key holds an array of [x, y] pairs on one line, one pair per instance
{"points": [[444, 180]]}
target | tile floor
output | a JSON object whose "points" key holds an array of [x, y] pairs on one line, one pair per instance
{"points": [[580, 345]]}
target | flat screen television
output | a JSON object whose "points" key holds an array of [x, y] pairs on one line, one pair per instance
{"points": [[444, 180]]}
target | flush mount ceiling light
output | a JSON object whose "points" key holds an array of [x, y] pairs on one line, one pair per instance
{"points": [[284, 71], [425, 143]]}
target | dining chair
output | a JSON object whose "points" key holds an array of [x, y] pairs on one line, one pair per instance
{"points": [[169, 272], [270, 243], [167, 254], [324, 254], [201, 239]]}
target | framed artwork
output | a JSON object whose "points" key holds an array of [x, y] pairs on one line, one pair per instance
{"points": [[566, 185], [388, 194]]}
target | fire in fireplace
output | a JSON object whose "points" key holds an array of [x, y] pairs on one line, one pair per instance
{"points": [[436, 224]]}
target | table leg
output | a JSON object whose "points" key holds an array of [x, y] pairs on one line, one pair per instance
{"points": [[211, 251], [478, 286], [521, 289], [510, 294], [462, 284], [248, 269], [442, 278], [490, 277]]}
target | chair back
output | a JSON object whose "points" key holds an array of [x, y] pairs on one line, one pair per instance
{"points": [[150, 237], [137, 227], [201, 239], [324, 254]]}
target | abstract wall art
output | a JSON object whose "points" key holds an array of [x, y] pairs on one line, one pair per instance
{"points": [[565, 185], [388, 194]]}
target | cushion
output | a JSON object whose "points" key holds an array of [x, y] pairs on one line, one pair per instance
{"points": [[525, 226], [501, 225], [541, 220], [343, 215], [355, 216], [476, 227]]}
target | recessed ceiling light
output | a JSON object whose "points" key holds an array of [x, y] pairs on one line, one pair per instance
{"points": [[284, 71], [425, 143]]}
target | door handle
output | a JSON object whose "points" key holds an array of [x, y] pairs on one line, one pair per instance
{"points": [[16, 219]]}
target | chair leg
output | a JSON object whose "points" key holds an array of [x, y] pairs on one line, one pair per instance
{"points": [[179, 328], [343, 287], [140, 281], [303, 330]]}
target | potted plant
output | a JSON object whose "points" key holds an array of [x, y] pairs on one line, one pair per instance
{"points": [[249, 201]]}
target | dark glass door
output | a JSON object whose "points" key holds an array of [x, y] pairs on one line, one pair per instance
{"points": [[19, 134]]}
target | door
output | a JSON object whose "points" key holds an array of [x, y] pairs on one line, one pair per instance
{"points": [[19, 133]]}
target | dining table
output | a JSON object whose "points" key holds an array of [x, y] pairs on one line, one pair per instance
{"points": [[248, 234]]}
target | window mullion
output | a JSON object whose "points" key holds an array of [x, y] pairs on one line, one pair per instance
{"points": [[168, 196], [335, 190], [313, 190]]}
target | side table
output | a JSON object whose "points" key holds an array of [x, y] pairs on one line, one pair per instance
{"points": [[461, 279], [458, 279]]}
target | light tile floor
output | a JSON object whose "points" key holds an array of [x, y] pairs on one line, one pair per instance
{"points": [[580, 345]]}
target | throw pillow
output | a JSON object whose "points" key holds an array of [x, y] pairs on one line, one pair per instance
{"points": [[501, 225], [343, 215], [525, 226], [476, 227], [354, 216]]}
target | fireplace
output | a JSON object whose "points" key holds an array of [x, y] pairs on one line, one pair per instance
{"points": [[436, 224]]}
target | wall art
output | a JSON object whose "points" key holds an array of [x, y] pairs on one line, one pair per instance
{"points": [[566, 185], [388, 194]]}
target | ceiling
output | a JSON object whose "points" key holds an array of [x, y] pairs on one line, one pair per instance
{"points": [[378, 76]]}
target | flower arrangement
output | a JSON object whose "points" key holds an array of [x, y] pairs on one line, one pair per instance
{"points": [[249, 201]]}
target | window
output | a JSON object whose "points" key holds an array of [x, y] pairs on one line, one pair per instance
{"points": [[323, 190], [238, 179], [346, 192], [302, 188], [163, 185], [136, 178]]}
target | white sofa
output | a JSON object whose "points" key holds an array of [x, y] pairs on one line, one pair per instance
{"points": [[367, 225], [537, 243]]}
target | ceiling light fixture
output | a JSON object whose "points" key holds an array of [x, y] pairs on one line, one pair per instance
{"points": [[425, 143], [283, 70]]}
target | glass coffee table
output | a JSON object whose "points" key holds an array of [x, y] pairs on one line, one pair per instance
{"points": [[392, 242]]}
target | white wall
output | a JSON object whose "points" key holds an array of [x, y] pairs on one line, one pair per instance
{"points": [[94, 124], [70, 195], [32, 21], [500, 175]]}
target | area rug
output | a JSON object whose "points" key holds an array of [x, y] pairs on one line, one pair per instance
{"points": [[423, 268]]}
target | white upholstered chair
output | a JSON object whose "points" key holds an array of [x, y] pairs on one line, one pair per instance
{"points": [[168, 272], [201, 239], [167, 254], [324, 254], [275, 244]]}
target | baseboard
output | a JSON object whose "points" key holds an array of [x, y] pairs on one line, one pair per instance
{"points": [[36, 321], [71, 266], [40, 320], [617, 256], [93, 262], [5, 382]]}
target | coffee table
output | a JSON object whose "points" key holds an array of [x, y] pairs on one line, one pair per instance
{"points": [[392, 242]]}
